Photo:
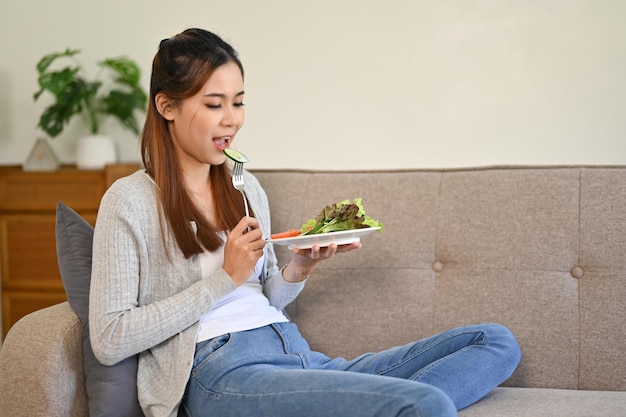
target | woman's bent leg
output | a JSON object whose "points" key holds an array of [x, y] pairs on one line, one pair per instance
{"points": [[466, 363], [262, 373]]}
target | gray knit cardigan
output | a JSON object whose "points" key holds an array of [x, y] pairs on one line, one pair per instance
{"points": [[147, 299]]}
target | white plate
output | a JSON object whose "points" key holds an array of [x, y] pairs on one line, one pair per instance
{"points": [[343, 237]]}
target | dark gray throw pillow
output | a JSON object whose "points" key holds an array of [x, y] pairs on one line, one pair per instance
{"points": [[111, 390]]}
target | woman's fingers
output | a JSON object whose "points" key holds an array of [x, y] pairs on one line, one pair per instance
{"points": [[326, 252], [244, 246]]}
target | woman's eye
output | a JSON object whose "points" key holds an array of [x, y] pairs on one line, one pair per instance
{"points": [[219, 106]]}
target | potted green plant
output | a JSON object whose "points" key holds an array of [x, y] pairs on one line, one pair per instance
{"points": [[94, 99]]}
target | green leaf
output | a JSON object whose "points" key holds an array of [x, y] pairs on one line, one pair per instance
{"points": [[69, 102], [51, 120], [127, 72], [47, 60], [54, 117], [56, 82], [122, 105]]}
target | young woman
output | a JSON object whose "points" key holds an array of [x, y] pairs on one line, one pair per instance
{"points": [[184, 279]]}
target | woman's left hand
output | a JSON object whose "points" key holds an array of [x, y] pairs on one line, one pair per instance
{"points": [[304, 261]]}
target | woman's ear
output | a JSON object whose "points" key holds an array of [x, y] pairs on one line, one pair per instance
{"points": [[164, 106]]}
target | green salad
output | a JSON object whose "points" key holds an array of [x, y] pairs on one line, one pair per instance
{"points": [[344, 215]]}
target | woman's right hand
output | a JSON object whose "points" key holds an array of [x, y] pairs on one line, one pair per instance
{"points": [[243, 249]]}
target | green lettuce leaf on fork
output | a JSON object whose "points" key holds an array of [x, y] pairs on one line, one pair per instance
{"points": [[344, 215]]}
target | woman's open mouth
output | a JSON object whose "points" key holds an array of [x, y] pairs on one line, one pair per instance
{"points": [[222, 142]]}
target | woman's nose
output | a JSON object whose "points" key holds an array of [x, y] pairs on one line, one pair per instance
{"points": [[229, 117]]}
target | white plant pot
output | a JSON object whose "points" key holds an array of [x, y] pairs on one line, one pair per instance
{"points": [[95, 151]]}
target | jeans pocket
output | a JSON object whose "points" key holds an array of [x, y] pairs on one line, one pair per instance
{"points": [[208, 349]]}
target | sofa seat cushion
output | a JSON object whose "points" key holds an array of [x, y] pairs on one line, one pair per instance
{"points": [[547, 402]]}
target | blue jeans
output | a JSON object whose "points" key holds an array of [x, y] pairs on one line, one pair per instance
{"points": [[271, 371]]}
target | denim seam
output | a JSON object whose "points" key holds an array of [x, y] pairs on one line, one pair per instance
{"points": [[303, 391], [283, 341], [482, 339]]}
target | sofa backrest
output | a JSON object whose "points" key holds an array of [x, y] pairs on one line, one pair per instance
{"points": [[541, 250]]}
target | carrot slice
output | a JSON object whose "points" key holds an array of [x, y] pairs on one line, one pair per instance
{"points": [[288, 233]]}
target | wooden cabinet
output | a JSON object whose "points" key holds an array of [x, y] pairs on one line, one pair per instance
{"points": [[28, 262]]}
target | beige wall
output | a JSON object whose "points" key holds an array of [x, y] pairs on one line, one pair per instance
{"points": [[361, 83]]}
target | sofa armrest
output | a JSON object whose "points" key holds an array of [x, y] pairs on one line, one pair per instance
{"points": [[41, 365]]}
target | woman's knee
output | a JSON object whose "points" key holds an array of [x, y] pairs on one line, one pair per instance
{"points": [[502, 339]]}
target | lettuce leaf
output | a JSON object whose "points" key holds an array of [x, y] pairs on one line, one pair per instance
{"points": [[344, 215]]}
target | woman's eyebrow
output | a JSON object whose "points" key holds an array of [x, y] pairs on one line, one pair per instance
{"points": [[241, 93]]}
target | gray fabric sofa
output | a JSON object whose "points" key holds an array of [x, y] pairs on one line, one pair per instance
{"points": [[539, 249]]}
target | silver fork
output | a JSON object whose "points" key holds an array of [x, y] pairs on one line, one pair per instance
{"points": [[239, 184]]}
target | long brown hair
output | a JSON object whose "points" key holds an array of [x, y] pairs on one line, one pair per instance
{"points": [[180, 68]]}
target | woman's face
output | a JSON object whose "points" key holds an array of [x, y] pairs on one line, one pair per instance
{"points": [[202, 126]]}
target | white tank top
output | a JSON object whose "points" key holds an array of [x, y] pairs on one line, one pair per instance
{"points": [[245, 308]]}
